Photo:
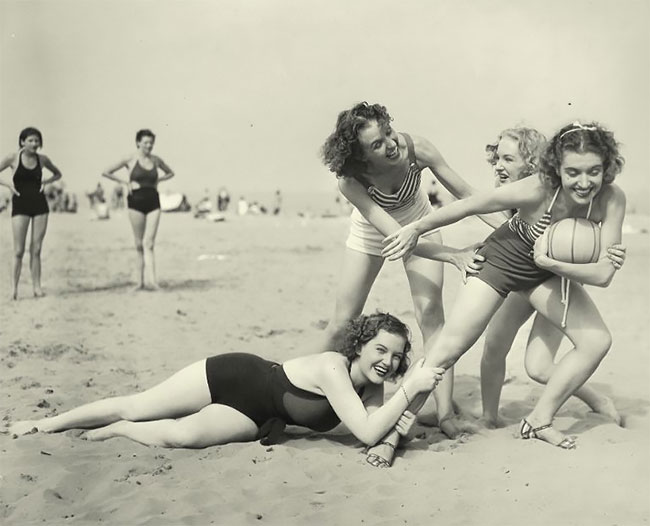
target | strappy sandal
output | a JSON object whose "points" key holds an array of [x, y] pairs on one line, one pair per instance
{"points": [[377, 461], [527, 431]]}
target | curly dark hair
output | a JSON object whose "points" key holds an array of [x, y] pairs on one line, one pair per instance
{"points": [[361, 330], [530, 145], [144, 133], [581, 138], [28, 132], [342, 152]]}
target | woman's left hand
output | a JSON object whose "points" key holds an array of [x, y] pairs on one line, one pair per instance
{"points": [[400, 244], [468, 261], [540, 250], [616, 254], [405, 423]]}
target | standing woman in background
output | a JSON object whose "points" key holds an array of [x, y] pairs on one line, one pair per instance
{"points": [[29, 203], [143, 201]]}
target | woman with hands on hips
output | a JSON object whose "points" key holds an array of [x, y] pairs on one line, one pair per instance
{"points": [[143, 201]]}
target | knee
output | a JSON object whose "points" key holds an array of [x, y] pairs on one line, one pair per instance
{"points": [[597, 344], [35, 250], [148, 244], [536, 372], [178, 436], [139, 246], [19, 252]]}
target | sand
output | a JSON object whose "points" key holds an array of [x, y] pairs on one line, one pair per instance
{"points": [[266, 286]]}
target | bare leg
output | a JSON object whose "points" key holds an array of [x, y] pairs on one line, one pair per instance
{"points": [[357, 276], [152, 220], [543, 344], [19, 226], [591, 339], [501, 334], [475, 304], [138, 224], [39, 227], [184, 393], [213, 425]]}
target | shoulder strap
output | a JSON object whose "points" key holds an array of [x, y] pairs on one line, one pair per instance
{"points": [[554, 198], [411, 148], [591, 202]]}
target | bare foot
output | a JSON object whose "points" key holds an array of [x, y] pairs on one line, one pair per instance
{"points": [[381, 455], [104, 433], [546, 433], [152, 287], [25, 427], [454, 427], [14, 295], [605, 406], [489, 422], [137, 288], [38, 293]]}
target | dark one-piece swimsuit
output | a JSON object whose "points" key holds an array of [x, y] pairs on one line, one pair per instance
{"points": [[145, 199], [31, 201]]}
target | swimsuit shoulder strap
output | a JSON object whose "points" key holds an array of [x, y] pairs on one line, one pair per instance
{"points": [[410, 147], [548, 210], [589, 209]]}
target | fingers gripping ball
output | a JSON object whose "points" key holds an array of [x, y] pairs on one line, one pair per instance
{"points": [[574, 240]]}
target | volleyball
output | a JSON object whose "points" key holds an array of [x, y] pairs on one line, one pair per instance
{"points": [[574, 240]]}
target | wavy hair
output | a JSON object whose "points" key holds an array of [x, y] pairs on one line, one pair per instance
{"points": [[581, 138], [531, 144], [144, 133], [341, 152], [359, 331]]}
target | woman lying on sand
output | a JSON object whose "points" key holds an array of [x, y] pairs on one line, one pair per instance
{"points": [[579, 167], [241, 397]]}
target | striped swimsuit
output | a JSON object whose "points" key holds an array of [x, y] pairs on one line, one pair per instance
{"points": [[408, 204]]}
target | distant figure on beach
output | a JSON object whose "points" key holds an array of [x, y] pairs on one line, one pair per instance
{"points": [[143, 201], [117, 197], [277, 203], [223, 199], [379, 173], [29, 204], [242, 206], [577, 172], [204, 206], [433, 194], [240, 397]]}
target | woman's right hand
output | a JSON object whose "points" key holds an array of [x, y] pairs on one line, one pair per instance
{"points": [[616, 254], [468, 261], [132, 185], [13, 190], [401, 244], [422, 378]]}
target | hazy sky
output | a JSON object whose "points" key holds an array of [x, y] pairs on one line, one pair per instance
{"points": [[243, 93]]}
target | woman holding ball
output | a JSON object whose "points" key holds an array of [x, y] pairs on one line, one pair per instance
{"points": [[515, 155], [578, 169]]}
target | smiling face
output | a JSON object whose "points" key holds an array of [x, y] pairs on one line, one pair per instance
{"points": [[380, 357], [31, 143], [509, 165], [581, 175], [145, 145], [380, 145]]}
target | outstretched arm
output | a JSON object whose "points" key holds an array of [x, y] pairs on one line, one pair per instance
{"points": [[515, 195], [601, 273], [429, 156], [356, 193], [371, 427]]}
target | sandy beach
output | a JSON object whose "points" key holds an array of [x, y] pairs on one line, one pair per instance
{"points": [[267, 286]]}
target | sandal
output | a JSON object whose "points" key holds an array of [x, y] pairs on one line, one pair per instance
{"points": [[527, 431]]}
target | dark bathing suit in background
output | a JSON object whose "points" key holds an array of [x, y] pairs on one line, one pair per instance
{"points": [[261, 390], [31, 201], [145, 199]]}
